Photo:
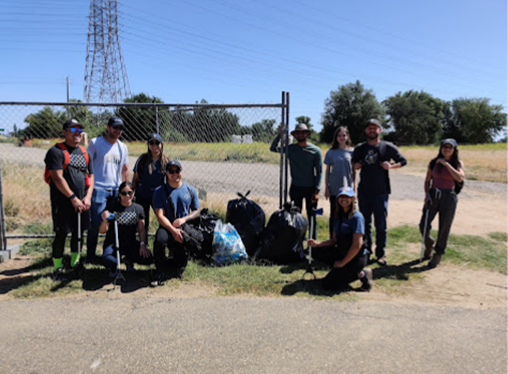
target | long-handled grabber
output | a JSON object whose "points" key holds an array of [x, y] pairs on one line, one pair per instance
{"points": [[424, 230], [119, 274], [312, 230], [79, 265]]}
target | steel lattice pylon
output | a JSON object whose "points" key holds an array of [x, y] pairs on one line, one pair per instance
{"points": [[105, 73]]}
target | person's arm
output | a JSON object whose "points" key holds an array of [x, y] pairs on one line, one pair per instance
{"points": [[458, 174], [192, 215], [87, 200], [396, 156], [143, 238], [318, 168], [427, 184], [356, 159], [63, 187], [164, 222], [103, 228], [134, 180], [327, 179], [275, 144], [352, 251], [316, 244], [125, 173]]}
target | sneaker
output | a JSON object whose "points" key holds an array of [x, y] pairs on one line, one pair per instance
{"points": [[366, 280], [58, 275], [158, 280], [428, 252], [436, 259]]}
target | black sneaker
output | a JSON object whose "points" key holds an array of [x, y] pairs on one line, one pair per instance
{"points": [[366, 280], [158, 280], [58, 275]]}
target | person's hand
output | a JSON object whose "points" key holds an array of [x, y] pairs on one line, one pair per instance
{"points": [[105, 215], [327, 192], [177, 235], [315, 197], [338, 264], [441, 161], [311, 243], [78, 205], [87, 202], [279, 130], [357, 165], [178, 222], [144, 252], [386, 165]]}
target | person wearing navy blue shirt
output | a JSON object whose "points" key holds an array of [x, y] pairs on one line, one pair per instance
{"points": [[345, 247], [174, 204], [149, 173]]}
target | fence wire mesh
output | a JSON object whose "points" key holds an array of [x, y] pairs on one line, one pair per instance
{"points": [[224, 149]]}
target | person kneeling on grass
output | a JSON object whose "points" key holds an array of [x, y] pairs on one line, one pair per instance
{"points": [[174, 203], [345, 248], [131, 219]]}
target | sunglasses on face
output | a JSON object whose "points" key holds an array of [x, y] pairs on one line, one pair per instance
{"points": [[154, 142], [127, 193], [75, 130], [118, 127], [174, 171], [299, 132]]}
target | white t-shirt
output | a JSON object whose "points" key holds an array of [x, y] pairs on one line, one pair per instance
{"points": [[108, 160]]}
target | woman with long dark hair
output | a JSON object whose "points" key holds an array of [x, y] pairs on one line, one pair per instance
{"points": [[338, 170], [130, 218], [149, 173], [443, 173], [345, 248]]}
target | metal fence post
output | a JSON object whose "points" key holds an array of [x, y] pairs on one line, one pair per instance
{"points": [[287, 148], [2, 213], [157, 119], [282, 150]]}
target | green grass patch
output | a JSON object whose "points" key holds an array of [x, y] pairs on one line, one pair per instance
{"points": [[499, 236]]}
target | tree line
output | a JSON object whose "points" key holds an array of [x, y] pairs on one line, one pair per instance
{"points": [[409, 117]]}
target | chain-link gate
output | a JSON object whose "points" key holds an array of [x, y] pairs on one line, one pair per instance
{"points": [[223, 148]]}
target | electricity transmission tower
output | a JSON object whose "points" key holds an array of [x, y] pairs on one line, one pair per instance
{"points": [[105, 74]]}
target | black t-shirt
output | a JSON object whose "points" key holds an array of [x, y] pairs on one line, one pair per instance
{"points": [[374, 180], [127, 217], [74, 173]]}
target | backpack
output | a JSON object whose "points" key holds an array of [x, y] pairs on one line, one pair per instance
{"points": [[249, 220], [205, 224], [67, 159]]}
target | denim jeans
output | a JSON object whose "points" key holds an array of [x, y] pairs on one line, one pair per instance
{"points": [[376, 205], [100, 199]]}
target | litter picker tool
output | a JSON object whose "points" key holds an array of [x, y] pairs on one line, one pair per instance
{"points": [[119, 275], [312, 230], [424, 231], [79, 265]]}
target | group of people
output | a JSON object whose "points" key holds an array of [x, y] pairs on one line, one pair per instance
{"points": [[350, 244], [91, 188]]}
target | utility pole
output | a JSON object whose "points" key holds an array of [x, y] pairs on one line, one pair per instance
{"points": [[105, 73]]}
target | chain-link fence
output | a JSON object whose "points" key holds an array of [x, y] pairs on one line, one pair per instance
{"points": [[224, 149]]}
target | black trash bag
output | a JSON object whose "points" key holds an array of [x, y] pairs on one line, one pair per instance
{"points": [[248, 219], [205, 225], [282, 239]]}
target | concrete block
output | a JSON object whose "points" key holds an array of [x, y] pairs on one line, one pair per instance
{"points": [[9, 253]]}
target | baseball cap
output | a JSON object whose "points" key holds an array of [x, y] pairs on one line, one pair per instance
{"points": [[450, 141], [374, 121], [155, 136], [173, 163], [347, 191], [72, 123], [115, 121]]}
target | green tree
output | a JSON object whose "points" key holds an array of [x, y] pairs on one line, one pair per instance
{"points": [[415, 116], [473, 120], [351, 105], [46, 123], [139, 121], [263, 131]]}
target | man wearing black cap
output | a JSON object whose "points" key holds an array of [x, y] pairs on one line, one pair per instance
{"points": [[306, 165], [110, 158], [174, 203], [374, 159], [69, 173]]}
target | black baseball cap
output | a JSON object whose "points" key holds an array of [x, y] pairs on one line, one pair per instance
{"points": [[173, 163], [115, 121], [72, 123]]}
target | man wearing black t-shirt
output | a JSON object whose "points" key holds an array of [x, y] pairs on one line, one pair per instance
{"points": [[374, 159], [69, 193]]}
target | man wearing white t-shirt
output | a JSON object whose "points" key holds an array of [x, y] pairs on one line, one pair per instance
{"points": [[110, 160]]}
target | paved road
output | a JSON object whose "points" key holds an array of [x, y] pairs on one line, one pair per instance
{"points": [[247, 335]]}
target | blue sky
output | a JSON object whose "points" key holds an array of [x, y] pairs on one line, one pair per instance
{"points": [[248, 51]]}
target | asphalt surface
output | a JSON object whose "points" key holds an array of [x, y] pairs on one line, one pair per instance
{"points": [[247, 335]]}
